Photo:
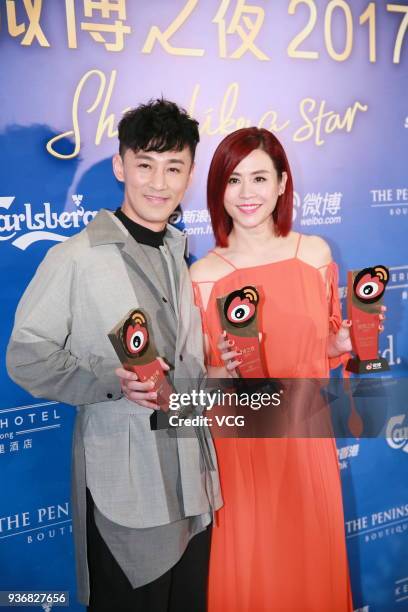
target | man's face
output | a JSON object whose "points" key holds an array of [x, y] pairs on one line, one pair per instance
{"points": [[155, 184]]}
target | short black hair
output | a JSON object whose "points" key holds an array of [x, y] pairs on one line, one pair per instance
{"points": [[159, 125]]}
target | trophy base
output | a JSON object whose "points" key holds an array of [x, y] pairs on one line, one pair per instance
{"points": [[367, 366]]}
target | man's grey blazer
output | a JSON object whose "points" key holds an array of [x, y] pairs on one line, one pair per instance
{"points": [[59, 350]]}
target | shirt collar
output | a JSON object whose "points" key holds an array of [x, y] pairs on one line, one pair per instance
{"points": [[142, 234], [105, 228]]}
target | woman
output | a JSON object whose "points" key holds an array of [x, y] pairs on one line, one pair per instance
{"points": [[279, 540]]}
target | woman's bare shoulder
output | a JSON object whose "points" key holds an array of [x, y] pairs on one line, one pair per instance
{"points": [[315, 251], [209, 269]]}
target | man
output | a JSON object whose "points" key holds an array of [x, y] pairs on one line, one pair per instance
{"points": [[142, 499]]}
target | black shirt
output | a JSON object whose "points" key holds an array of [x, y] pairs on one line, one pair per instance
{"points": [[140, 233]]}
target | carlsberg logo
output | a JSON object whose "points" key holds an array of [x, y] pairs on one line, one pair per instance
{"points": [[397, 433], [28, 227]]}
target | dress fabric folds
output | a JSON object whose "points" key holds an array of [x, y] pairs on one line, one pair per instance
{"points": [[278, 543]]}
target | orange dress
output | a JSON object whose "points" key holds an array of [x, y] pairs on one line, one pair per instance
{"points": [[279, 543]]}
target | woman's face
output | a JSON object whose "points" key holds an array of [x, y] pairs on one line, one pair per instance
{"points": [[253, 190]]}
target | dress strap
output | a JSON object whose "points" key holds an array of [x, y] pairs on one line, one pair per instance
{"points": [[328, 265], [297, 245], [225, 259]]}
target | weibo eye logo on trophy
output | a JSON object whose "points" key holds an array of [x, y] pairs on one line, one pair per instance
{"points": [[238, 315], [135, 334], [134, 345], [364, 297]]}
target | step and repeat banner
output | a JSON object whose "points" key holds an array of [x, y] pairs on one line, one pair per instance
{"points": [[329, 78]]}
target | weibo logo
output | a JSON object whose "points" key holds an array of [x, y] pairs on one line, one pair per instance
{"points": [[296, 205], [28, 227]]}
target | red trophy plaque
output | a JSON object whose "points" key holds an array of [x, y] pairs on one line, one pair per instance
{"points": [[238, 315], [136, 350], [364, 297]]}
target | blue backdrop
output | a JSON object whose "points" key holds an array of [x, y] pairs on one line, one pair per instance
{"points": [[329, 78]]}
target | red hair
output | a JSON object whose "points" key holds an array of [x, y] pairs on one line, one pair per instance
{"points": [[229, 153]]}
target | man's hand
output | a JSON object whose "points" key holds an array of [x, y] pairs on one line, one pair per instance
{"points": [[139, 392]]}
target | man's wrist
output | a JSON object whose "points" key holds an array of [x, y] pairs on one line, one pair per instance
{"points": [[104, 370]]}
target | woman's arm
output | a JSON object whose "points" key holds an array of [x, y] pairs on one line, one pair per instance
{"points": [[315, 251]]}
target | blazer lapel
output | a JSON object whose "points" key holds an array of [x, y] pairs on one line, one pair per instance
{"points": [[106, 229], [136, 254], [177, 244]]}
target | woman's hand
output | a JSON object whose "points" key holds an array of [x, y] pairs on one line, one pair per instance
{"points": [[229, 355], [382, 318], [340, 342], [139, 392]]}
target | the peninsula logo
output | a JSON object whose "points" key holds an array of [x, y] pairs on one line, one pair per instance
{"points": [[391, 199], [378, 525], [26, 228], [397, 433], [38, 525]]}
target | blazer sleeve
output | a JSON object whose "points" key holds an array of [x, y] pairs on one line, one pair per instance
{"points": [[39, 358]]}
